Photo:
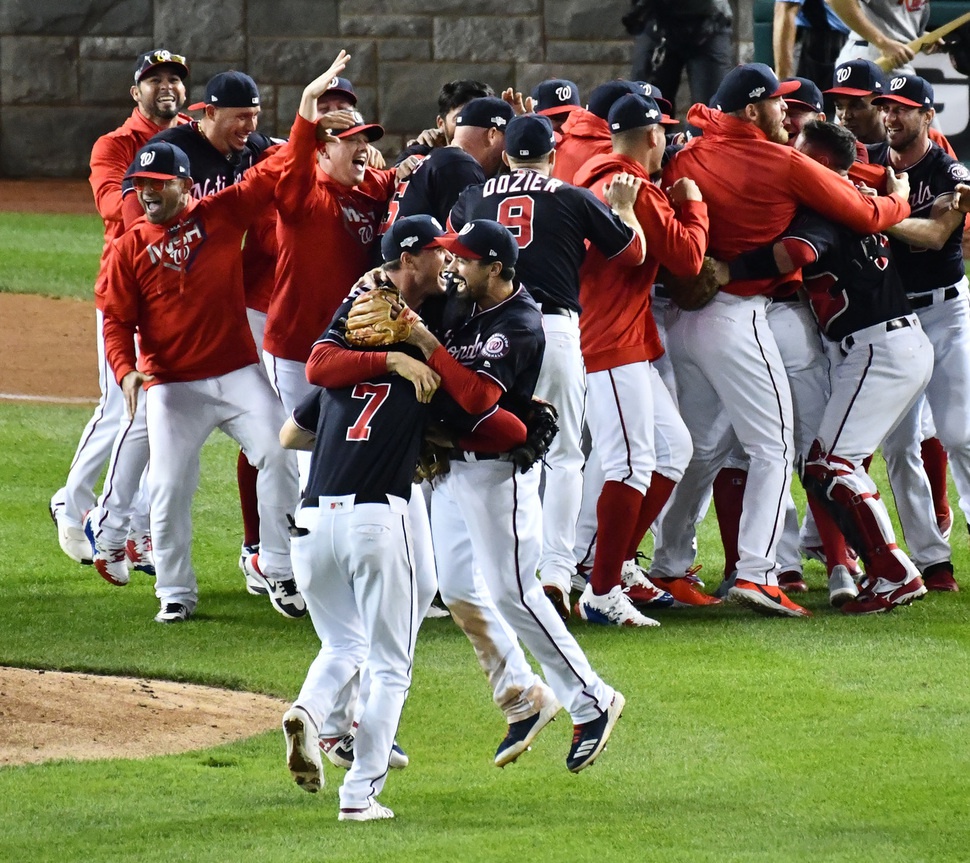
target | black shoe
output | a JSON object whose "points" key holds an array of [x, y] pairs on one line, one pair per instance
{"points": [[173, 612], [522, 733], [589, 739]]}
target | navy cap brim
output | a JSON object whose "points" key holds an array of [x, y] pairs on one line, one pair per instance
{"points": [[155, 175]]}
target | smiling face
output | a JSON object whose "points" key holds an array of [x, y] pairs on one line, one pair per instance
{"points": [[905, 124], [796, 117], [160, 94], [228, 129], [861, 118], [162, 200], [346, 159], [471, 276]]}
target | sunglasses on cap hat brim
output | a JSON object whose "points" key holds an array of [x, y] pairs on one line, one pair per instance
{"points": [[150, 175]]}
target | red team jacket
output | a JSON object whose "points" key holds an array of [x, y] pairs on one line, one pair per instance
{"points": [[181, 285], [110, 158], [753, 187], [324, 233], [617, 327], [583, 135]]}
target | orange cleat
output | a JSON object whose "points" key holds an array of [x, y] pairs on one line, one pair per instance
{"points": [[685, 593], [766, 599]]}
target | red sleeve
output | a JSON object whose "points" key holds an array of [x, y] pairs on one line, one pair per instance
{"points": [[298, 178], [830, 195], [474, 393], [499, 432], [120, 308], [110, 158], [675, 238], [333, 367]]}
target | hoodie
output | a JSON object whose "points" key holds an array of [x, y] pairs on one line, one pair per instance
{"points": [[583, 135]]}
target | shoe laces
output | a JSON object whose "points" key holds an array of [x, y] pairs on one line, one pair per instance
{"points": [[691, 574]]}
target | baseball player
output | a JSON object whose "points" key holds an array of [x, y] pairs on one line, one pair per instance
{"points": [[485, 514], [159, 94], [725, 356], [552, 222], [860, 303], [452, 97], [638, 438], [881, 28], [928, 254], [556, 99], [176, 277]]}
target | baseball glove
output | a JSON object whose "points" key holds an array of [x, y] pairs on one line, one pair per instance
{"points": [[691, 292], [541, 429], [434, 460], [379, 317]]}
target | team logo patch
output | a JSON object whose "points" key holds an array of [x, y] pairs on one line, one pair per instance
{"points": [[959, 172], [147, 158], [564, 93], [178, 251], [897, 83], [496, 347], [756, 92], [843, 75]]}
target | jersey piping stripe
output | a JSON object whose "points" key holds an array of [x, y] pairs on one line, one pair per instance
{"points": [[619, 413], [109, 480], [783, 492], [855, 395]]}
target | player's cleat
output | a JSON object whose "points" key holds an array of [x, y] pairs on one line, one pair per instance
{"points": [[881, 595], [580, 578], [842, 588], [685, 592], [399, 758], [724, 588], [939, 577], [71, 539], [173, 612], [589, 739], [109, 563], [792, 582], [255, 584], [282, 592], [559, 600], [436, 612], [765, 599], [138, 550], [611, 609], [640, 589], [521, 734], [691, 574], [302, 754], [373, 812], [339, 750]]}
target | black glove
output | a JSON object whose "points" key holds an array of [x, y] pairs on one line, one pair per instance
{"points": [[541, 429]]}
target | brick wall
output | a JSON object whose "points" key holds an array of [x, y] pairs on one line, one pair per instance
{"points": [[66, 65]]}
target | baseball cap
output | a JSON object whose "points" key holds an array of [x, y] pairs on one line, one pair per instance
{"points": [[410, 234], [556, 96], [603, 97], [159, 57], [529, 137], [159, 161], [907, 90], [486, 112], [807, 94], [748, 83], [373, 131], [229, 90], [633, 111], [343, 87], [483, 240], [857, 78], [654, 92]]}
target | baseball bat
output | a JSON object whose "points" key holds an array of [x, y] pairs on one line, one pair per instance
{"points": [[920, 43]]}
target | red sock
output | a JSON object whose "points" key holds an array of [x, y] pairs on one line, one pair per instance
{"points": [[934, 461], [833, 542], [661, 487], [615, 521], [728, 496], [246, 480]]}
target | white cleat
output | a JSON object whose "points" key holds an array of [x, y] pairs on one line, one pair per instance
{"points": [[373, 812], [302, 751]]}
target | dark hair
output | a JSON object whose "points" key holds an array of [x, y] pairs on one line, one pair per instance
{"points": [[837, 141], [454, 94], [507, 274]]}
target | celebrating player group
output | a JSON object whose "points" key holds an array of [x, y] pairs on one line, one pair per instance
{"points": [[487, 372]]}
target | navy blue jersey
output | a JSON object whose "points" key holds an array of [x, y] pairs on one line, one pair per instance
{"points": [[853, 284], [211, 170], [434, 185], [931, 182], [551, 221]]}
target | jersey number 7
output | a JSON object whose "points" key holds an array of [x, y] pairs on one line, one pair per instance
{"points": [[375, 395]]}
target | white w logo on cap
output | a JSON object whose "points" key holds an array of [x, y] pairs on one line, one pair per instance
{"points": [[146, 158], [843, 75], [897, 83], [335, 82], [564, 93]]}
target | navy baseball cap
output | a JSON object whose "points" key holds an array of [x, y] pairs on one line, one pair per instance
{"points": [[373, 131], [529, 137], [410, 234], [749, 83], [486, 112], [160, 57], [342, 87], [633, 111], [907, 90], [603, 97], [229, 90], [857, 78], [556, 96], [160, 161], [653, 91], [483, 240], [807, 95]]}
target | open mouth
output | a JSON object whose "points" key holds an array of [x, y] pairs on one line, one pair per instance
{"points": [[152, 205], [360, 161]]}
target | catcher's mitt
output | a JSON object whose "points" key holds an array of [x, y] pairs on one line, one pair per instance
{"points": [[541, 429], [435, 457], [379, 317], [691, 292]]}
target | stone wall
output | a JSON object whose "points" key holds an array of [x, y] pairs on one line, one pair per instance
{"points": [[66, 65]]}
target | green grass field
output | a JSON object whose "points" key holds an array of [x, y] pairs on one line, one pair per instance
{"points": [[744, 739]]}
